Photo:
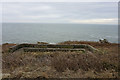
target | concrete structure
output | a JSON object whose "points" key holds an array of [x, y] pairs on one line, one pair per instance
{"points": [[51, 47]]}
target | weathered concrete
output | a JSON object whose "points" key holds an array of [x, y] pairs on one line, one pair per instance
{"points": [[50, 49], [76, 46]]}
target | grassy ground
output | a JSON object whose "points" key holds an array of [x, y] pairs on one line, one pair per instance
{"points": [[101, 64]]}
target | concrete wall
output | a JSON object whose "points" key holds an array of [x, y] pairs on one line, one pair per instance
{"points": [[88, 47], [50, 49]]}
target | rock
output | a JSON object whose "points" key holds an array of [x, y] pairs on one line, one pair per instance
{"points": [[103, 41]]}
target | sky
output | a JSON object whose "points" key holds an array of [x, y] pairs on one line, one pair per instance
{"points": [[60, 12], [59, 0]]}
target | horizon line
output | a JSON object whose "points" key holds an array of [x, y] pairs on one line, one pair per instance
{"points": [[55, 23]]}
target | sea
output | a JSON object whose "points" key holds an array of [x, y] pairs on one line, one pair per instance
{"points": [[57, 32]]}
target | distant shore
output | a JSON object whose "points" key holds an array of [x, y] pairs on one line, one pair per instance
{"points": [[71, 41]]}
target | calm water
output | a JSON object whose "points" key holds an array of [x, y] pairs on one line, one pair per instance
{"points": [[54, 33]]}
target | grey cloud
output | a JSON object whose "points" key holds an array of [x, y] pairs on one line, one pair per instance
{"points": [[58, 12]]}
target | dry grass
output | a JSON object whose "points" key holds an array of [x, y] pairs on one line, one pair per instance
{"points": [[85, 62], [102, 64], [94, 44], [6, 46]]}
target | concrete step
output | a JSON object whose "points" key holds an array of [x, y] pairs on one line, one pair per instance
{"points": [[50, 49], [36, 47]]}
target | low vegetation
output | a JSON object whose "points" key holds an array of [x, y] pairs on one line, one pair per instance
{"points": [[101, 64]]}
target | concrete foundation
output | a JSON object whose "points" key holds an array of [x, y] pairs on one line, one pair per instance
{"points": [[51, 47]]}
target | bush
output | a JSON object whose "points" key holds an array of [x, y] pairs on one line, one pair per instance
{"points": [[75, 62]]}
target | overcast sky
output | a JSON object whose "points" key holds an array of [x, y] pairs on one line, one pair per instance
{"points": [[65, 12]]}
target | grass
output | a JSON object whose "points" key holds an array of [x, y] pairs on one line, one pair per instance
{"points": [[82, 61], [101, 64]]}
